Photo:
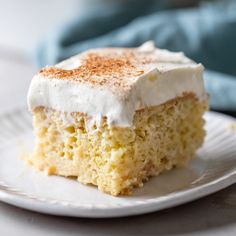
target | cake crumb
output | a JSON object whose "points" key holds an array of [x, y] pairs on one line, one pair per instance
{"points": [[50, 170], [231, 127], [152, 77]]}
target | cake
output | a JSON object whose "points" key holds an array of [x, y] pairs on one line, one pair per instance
{"points": [[114, 117]]}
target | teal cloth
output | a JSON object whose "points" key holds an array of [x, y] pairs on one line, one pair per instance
{"points": [[207, 34]]}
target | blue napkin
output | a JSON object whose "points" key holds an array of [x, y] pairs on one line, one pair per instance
{"points": [[207, 34]]}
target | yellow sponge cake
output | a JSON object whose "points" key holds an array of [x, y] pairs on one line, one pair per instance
{"points": [[113, 117]]}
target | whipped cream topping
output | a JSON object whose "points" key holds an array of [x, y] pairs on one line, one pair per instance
{"points": [[116, 82]]}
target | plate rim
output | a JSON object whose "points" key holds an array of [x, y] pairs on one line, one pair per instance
{"points": [[103, 211]]}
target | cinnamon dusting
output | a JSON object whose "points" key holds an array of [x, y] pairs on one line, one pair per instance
{"points": [[97, 69]]}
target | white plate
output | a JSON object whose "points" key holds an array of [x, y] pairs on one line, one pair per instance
{"points": [[212, 170]]}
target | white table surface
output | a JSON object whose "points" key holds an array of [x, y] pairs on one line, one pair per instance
{"points": [[212, 215]]}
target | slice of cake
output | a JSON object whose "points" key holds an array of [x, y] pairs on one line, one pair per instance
{"points": [[114, 117]]}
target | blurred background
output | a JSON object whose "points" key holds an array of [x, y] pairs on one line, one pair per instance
{"points": [[38, 33], [22, 25]]}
